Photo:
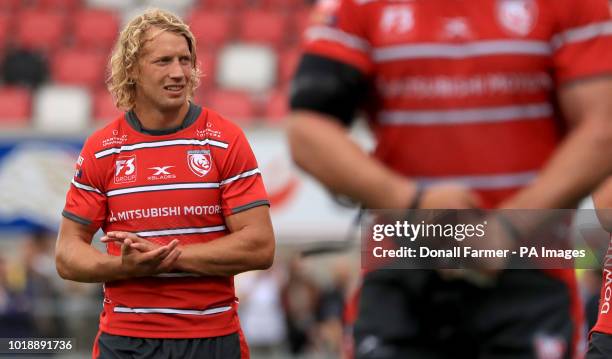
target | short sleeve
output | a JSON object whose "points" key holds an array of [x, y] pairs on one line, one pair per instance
{"points": [[582, 45], [86, 201], [242, 186], [338, 31]]}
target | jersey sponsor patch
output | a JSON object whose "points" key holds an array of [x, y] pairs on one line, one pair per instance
{"points": [[125, 169], [199, 161], [161, 173], [397, 19], [517, 16]]}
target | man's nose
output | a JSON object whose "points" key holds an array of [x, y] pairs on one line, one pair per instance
{"points": [[176, 70]]}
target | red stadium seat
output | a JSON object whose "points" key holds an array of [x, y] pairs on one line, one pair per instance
{"points": [[15, 105], [233, 5], [263, 27], [77, 67], [95, 28], [235, 105], [211, 29], [288, 61], [276, 107], [59, 4], [40, 29], [104, 107]]}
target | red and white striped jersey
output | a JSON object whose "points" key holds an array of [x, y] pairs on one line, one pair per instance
{"points": [[178, 185], [465, 89]]}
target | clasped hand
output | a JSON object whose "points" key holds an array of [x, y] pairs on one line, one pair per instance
{"points": [[140, 257]]}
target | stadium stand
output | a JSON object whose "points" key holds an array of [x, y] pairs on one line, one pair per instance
{"points": [[246, 49]]}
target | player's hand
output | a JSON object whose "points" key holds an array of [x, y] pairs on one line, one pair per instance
{"points": [[449, 196], [140, 257], [138, 243]]}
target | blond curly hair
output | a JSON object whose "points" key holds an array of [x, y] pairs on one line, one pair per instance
{"points": [[124, 58]]}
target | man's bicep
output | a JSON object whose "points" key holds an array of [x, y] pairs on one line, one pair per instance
{"points": [[71, 230], [256, 217], [587, 99]]}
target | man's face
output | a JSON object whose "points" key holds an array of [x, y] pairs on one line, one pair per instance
{"points": [[163, 77]]}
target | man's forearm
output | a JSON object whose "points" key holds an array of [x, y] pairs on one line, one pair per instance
{"points": [[235, 253], [323, 149], [581, 163], [83, 263]]}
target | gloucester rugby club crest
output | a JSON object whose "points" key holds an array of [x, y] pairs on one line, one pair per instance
{"points": [[517, 16], [199, 162]]}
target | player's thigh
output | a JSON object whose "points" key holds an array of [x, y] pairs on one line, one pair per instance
{"points": [[600, 346]]}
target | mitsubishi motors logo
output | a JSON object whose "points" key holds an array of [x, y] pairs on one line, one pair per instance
{"points": [[125, 169], [161, 172]]}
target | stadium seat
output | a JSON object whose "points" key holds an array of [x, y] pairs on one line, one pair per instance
{"points": [[235, 105], [59, 4], [246, 67], [233, 5], [287, 63], [211, 28], [118, 5], [62, 109], [104, 107], [40, 29], [262, 26], [95, 29], [14, 106], [77, 67], [276, 108]]}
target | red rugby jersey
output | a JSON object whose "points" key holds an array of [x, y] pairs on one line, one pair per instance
{"points": [[178, 185], [465, 90]]}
